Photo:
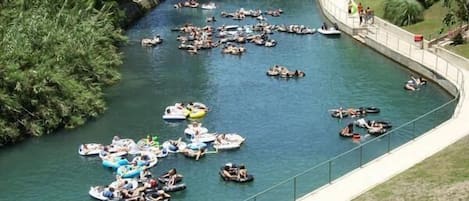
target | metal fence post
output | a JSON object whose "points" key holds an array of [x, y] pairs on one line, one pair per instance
{"points": [[447, 65], [330, 171], [389, 142], [294, 188], [446, 73], [361, 155], [386, 38], [410, 51], [398, 41], [423, 52]]}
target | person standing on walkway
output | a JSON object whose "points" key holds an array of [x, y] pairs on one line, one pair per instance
{"points": [[367, 14], [371, 16], [360, 12]]}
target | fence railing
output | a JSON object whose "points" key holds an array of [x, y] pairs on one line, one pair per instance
{"points": [[327, 171]]}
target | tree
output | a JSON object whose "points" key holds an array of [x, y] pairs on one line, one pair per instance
{"points": [[458, 12], [403, 12]]}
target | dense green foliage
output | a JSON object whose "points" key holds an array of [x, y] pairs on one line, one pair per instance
{"points": [[427, 3], [458, 12], [403, 12], [56, 57]]}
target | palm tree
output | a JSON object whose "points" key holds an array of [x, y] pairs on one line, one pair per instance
{"points": [[403, 12]]}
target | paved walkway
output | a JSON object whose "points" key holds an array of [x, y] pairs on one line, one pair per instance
{"points": [[360, 180]]}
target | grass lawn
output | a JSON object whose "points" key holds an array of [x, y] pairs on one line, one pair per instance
{"points": [[430, 27], [462, 50], [443, 176], [376, 5]]}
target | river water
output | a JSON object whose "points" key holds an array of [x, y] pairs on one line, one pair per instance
{"points": [[286, 122]]}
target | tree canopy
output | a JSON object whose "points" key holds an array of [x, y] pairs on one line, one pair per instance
{"points": [[57, 55], [458, 12]]}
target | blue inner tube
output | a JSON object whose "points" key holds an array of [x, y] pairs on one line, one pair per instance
{"points": [[172, 147], [372, 110], [197, 145], [128, 171], [115, 164]]}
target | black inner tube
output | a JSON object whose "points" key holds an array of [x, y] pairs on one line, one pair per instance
{"points": [[337, 114], [372, 110]]}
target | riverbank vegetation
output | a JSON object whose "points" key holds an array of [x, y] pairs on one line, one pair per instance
{"points": [[444, 176], [56, 57]]}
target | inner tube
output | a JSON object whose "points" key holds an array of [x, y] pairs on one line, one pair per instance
{"points": [[197, 145], [197, 114], [165, 180], [175, 187], [248, 178], [152, 196], [409, 87], [346, 134], [272, 73], [385, 124], [336, 114], [372, 110], [116, 163], [129, 171], [356, 136], [377, 132]]}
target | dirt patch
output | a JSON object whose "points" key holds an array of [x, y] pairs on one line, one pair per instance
{"points": [[457, 191]]}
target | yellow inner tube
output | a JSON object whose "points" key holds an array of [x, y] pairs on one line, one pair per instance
{"points": [[186, 112], [197, 114]]}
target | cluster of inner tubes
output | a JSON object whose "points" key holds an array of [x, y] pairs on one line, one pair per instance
{"points": [[352, 112], [283, 72]]}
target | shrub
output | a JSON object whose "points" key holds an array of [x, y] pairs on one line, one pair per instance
{"points": [[427, 3], [458, 39], [56, 58]]}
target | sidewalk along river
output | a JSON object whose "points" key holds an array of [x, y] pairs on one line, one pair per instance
{"points": [[286, 122]]}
